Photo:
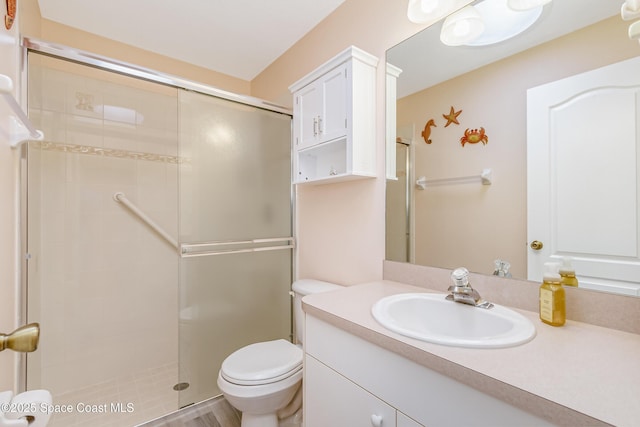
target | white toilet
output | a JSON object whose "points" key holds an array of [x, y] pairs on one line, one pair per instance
{"points": [[263, 380]]}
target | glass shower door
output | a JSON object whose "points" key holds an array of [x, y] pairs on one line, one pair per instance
{"points": [[101, 283], [235, 231]]}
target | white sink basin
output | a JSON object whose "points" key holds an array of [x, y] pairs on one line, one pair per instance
{"points": [[431, 318]]}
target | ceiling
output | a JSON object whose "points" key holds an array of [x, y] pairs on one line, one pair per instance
{"points": [[239, 38]]}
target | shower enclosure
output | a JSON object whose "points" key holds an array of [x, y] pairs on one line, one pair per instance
{"points": [[158, 235], [398, 207]]}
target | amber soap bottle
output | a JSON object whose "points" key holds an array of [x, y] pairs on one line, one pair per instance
{"points": [[552, 300], [567, 273]]}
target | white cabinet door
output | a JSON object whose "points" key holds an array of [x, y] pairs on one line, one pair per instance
{"points": [[308, 108], [583, 156], [321, 109], [333, 120], [332, 400]]}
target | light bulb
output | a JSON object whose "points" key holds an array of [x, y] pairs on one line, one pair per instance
{"points": [[633, 5], [429, 6], [461, 28]]}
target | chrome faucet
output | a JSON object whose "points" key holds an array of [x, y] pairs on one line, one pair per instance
{"points": [[461, 291]]}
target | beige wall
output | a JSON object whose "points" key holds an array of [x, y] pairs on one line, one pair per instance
{"points": [[494, 217], [340, 227]]}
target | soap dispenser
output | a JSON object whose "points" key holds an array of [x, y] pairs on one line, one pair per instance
{"points": [[552, 300], [567, 273]]}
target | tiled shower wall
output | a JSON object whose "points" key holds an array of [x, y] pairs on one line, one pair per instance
{"points": [[102, 284]]}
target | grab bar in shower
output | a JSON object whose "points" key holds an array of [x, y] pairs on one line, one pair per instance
{"points": [[231, 247], [17, 134], [121, 198]]}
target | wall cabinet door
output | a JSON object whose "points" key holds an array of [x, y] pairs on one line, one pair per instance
{"points": [[333, 120], [332, 400], [321, 109], [308, 109]]}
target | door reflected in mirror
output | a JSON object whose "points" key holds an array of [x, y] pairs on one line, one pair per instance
{"points": [[466, 223]]}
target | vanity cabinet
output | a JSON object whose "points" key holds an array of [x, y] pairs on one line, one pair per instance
{"points": [[334, 120], [333, 400], [347, 380]]}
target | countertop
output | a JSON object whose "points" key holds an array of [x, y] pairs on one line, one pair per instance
{"points": [[577, 374]]}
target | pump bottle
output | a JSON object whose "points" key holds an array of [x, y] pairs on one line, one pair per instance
{"points": [[567, 273], [552, 299]]}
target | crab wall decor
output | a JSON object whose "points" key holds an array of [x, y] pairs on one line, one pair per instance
{"points": [[473, 136]]}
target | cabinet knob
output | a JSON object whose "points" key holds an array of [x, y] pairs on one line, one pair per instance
{"points": [[376, 420]]}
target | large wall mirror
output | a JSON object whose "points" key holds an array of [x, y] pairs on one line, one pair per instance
{"points": [[459, 192]]}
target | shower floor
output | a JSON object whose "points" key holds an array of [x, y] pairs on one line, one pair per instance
{"points": [[122, 402]]}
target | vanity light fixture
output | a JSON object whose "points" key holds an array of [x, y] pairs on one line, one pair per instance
{"points": [[462, 27], [429, 11], [502, 22], [521, 5], [634, 31], [490, 21], [631, 10]]}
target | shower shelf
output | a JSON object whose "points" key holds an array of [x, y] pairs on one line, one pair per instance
{"points": [[20, 129]]}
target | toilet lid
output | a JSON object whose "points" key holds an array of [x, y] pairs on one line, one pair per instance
{"points": [[262, 363]]}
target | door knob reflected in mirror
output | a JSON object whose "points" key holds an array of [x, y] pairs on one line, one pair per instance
{"points": [[536, 245], [24, 339]]}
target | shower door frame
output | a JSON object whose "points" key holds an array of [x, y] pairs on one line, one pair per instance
{"points": [[30, 44]]}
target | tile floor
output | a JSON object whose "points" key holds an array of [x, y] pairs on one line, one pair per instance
{"points": [[215, 412], [121, 402]]}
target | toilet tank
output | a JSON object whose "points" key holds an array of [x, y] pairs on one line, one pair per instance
{"points": [[301, 288]]}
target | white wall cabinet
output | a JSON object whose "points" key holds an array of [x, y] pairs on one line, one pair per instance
{"points": [[321, 109], [348, 379], [334, 120]]}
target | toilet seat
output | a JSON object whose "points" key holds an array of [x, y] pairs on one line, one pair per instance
{"points": [[262, 363]]}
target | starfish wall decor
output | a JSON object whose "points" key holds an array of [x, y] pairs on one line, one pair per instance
{"points": [[452, 117]]}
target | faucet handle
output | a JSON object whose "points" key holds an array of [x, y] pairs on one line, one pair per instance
{"points": [[460, 277]]}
